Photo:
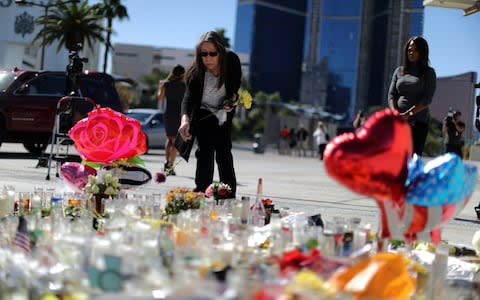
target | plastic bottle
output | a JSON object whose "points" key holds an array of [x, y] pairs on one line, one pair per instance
{"points": [[5, 207], [56, 211], [278, 240], [258, 210], [245, 210], [439, 272]]}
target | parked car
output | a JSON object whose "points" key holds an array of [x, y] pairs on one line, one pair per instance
{"points": [[28, 101], [152, 125]]}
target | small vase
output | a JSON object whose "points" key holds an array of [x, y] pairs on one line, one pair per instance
{"points": [[98, 203], [98, 208]]}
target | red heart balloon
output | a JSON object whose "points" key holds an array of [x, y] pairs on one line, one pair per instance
{"points": [[373, 160]]}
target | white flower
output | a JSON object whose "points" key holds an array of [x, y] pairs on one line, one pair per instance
{"points": [[101, 176], [110, 191], [92, 180], [95, 189], [108, 178], [476, 241]]}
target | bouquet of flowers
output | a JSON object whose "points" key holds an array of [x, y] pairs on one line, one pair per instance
{"points": [[103, 183], [218, 190], [182, 199], [245, 99]]}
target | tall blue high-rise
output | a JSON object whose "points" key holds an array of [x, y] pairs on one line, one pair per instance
{"points": [[353, 46], [272, 32], [335, 54]]}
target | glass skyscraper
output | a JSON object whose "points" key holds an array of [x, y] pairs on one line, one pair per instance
{"points": [[338, 55], [352, 48], [272, 32]]}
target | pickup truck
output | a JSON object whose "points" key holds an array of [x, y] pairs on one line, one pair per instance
{"points": [[28, 102]]}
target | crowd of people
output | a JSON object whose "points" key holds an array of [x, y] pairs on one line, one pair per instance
{"points": [[297, 141]]}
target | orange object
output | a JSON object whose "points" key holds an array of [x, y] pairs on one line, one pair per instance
{"points": [[383, 276]]}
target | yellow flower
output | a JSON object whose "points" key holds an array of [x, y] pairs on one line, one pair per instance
{"points": [[309, 281], [245, 99], [189, 196]]}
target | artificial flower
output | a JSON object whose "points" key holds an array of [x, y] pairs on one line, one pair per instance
{"points": [[182, 199], [245, 99], [106, 135], [103, 183], [218, 190], [160, 177]]}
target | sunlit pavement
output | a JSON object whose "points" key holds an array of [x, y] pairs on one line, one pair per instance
{"points": [[299, 183]]}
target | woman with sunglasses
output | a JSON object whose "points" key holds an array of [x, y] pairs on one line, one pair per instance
{"points": [[411, 90], [213, 80]]}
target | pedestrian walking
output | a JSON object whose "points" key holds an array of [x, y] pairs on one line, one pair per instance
{"points": [[172, 91]]}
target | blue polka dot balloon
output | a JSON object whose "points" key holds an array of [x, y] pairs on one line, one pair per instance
{"points": [[441, 181]]}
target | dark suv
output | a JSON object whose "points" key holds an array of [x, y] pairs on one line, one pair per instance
{"points": [[28, 101]]}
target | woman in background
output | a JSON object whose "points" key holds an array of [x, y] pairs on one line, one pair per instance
{"points": [[320, 135], [411, 90], [172, 89]]}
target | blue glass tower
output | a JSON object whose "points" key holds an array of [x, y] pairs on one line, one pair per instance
{"points": [[334, 54], [272, 31]]}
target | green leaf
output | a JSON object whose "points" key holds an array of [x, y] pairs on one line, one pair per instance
{"points": [[136, 161], [92, 164]]}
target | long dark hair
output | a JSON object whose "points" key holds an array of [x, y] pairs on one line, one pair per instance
{"points": [[176, 74], [422, 47], [197, 67]]}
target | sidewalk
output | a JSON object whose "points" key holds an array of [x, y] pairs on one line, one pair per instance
{"points": [[299, 183]]}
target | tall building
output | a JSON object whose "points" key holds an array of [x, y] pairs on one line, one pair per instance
{"points": [[16, 49], [352, 49], [272, 31]]}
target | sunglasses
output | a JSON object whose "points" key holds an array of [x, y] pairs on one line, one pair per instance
{"points": [[212, 54]]}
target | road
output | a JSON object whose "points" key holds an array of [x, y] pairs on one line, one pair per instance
{"points": [[299, 183]]}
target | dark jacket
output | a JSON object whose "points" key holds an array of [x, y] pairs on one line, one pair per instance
{"points": [[193, 95]]}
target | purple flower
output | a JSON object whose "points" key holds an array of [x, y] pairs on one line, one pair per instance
{"points": [[160, 177]]}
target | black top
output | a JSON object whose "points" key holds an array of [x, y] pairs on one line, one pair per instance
{"points": [[454, 136], [174, 91], [193, 95], [413, 88]]}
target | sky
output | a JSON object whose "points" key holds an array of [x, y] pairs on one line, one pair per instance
{"points": [[453, 39]]}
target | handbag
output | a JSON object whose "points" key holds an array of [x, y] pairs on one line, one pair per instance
{"points": [[184, 147]]}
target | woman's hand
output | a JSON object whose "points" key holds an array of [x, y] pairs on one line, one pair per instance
{"points": [[184, 128], [229, 107], [405, 116]]}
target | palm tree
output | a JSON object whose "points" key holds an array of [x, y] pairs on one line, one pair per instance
{"points": [[111, 9], [70, 24], [221, 33]]}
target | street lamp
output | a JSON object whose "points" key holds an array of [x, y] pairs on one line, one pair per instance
{"points": [[45, 8]]}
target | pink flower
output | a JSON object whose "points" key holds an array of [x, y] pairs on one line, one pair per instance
{"points": [[209, 191], [106, 135], [160, 177]]}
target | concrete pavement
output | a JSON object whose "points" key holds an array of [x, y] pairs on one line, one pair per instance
{"points": [[299, 183]]}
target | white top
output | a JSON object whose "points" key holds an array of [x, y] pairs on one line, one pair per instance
{"points": [[320, 136], [213, 97]]}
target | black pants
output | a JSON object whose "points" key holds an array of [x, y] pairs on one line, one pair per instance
{"points": [[419, 136], [454, 148], [321, 150], [214, 143]]}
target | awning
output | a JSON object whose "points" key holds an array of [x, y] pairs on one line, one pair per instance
{"points": [[468, 6]]}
